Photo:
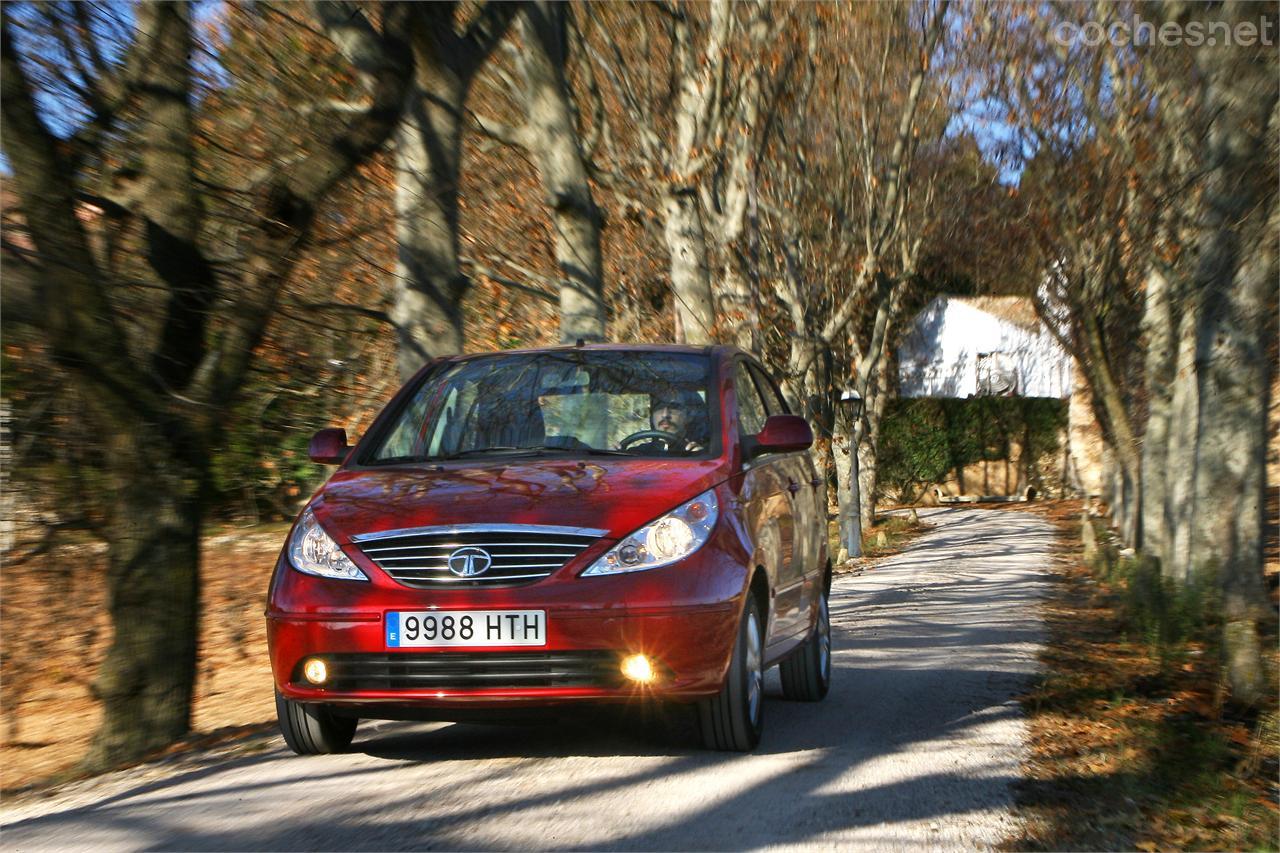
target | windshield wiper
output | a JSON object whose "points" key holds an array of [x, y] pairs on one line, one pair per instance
{"points": [[588, 451], [400, 460], [479, 451]]}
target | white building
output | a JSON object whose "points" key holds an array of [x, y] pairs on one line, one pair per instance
{"points": [[960, 346], [963, 346]]}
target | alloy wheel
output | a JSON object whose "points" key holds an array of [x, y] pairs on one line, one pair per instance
{"points": [[824, 638], [755, 670]]}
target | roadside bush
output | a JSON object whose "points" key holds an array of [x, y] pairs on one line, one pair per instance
{"points": [[1167, 616], [1164, 615], [914, 447]]}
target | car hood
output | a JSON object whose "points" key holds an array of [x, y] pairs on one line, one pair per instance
{"points": [[616, 495]]}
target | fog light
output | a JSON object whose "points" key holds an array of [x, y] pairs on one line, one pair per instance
{"points": [[315, 671], [638, 669]]}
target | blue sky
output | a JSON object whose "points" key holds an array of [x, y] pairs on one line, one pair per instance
{"points": [[63, 113], [112, 23]]}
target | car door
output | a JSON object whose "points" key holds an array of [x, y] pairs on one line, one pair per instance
{"points": [[808, 500], [769, 512]]}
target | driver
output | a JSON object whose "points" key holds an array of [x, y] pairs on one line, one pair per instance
{"points": [[680, 414]]}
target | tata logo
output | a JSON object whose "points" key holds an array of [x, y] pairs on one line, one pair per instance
{"points": [[469, 562]]}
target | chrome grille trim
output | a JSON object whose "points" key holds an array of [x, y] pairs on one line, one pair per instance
{"points": [[430, 568], [550, 529], [452, 545], [419, 556], [436, 579]]}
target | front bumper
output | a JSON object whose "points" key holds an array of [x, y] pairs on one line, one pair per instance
{"points": [[684, 617]]}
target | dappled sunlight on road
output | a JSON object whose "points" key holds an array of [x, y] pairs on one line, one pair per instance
{"points": [[917, 744]]}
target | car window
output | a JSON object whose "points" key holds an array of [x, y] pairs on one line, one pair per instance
{"points": [[404, 436], [456, 409], [774, 404], [750, 406], [638, 403]]}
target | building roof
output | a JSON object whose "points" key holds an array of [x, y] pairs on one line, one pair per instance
{"points": [[1019, 310]]}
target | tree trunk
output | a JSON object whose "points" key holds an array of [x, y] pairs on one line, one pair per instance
{"points": [[1231, 456], [430, 284], [690, 282], [1236, 273], [801, 380], [869, 447], [737, 309], [147, 679], [1113, 417], [553, 138], [1179, 509], [684, 230], [739, 319], [842, 443], [1159, 329]]}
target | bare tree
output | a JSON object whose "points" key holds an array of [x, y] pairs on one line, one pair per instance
{"points": [[449, 50], [1153, 218], [550, 133], [699, 85], [1234, 280], [112, 233], [860, 259]]}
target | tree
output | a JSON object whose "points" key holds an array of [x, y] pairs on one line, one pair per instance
{"points": [[1234, 288], [550, 132], [1152, 217], [852, 206], [449, 49], [154, 329], [698, 93]]}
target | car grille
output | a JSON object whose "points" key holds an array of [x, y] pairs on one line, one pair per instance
{"points": [[450, 556], [459, 670]]}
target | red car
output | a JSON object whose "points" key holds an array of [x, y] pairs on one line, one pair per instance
{"points": [[536, 528]]}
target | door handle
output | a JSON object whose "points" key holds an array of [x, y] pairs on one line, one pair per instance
{"points": [[793, 486]]}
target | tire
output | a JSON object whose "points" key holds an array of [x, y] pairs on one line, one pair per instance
{"points": [[313, 729], [806, 673], [732, 720]]}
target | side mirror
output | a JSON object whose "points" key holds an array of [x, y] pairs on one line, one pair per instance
{"points": [[329, 446], [781, 434]]}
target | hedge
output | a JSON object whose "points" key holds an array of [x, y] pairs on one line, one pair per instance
{"points": [[924, 439]]}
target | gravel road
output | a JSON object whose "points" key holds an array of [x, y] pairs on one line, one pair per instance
{"points": [[916, 746]]}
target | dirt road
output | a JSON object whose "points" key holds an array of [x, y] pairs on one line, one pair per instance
{"points": [[917, 745]]}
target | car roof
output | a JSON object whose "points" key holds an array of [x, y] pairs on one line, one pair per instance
{"points": [[720, 350]]}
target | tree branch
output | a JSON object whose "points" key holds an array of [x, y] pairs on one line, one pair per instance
{"points": [[78, 318]]}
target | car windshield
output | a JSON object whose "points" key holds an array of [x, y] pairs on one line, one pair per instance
{"points": [[576, 402]]}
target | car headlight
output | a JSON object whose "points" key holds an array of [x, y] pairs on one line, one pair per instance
{"points": [[673, 537], [313, 552]]}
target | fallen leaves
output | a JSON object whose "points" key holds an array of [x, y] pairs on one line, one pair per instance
{"points": [[1129, 751]]}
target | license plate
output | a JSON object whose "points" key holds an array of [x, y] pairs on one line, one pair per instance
{"points": [[466, 628]]}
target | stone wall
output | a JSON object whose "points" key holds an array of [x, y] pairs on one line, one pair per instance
{"points": [[1084, 460]]}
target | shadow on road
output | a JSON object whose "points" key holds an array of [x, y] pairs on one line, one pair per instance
{"points": [[926, 663]]}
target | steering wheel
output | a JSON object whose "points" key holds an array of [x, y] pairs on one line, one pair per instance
{"points": [[669, 437]]}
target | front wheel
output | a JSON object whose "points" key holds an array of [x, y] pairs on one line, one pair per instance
{"points": [[732, 720], [313, 729], [806, 673]]}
